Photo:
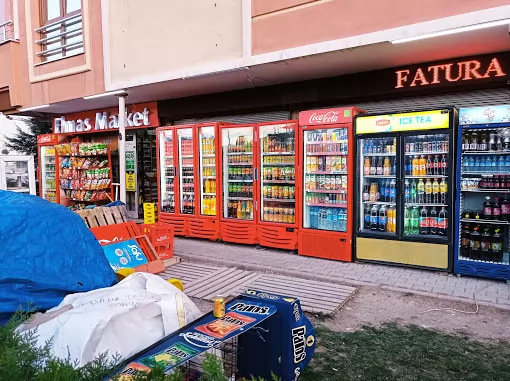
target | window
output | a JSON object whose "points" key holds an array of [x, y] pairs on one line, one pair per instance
{"points": [[62, 29]]}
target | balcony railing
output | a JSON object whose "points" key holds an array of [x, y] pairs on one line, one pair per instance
{"points": [[59, 39], [6, 31]]}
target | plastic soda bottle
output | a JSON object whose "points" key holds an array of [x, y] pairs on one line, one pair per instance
{"points": [[407, 221], [415, 221], [421, 191]]}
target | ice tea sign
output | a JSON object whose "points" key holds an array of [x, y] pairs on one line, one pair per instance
{"points": [[410, 121], [449, 73], [137, 116]]}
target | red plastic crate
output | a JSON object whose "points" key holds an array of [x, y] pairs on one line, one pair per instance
{"points": [[161, 235]]}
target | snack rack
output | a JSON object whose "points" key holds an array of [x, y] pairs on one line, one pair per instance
{"points": [[85, 172]]}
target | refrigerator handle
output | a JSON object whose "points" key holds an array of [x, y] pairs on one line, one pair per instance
{"points": [[256, 207], [256, 174]]}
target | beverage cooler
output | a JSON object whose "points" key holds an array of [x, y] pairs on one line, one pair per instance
{"points": [[482, 229], [404, 188], [48, 173], [187, 165], [239, 173], [277, 224], [259, 185], [327, 157]]}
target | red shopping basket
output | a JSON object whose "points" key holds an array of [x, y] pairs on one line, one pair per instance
{"points": [[161, 235]]}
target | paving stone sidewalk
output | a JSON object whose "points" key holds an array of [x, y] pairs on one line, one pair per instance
{"points": [[401, 279]]}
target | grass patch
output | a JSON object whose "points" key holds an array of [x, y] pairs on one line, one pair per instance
{"points": [[406, 353]]}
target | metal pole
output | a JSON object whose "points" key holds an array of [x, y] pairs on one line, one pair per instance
{"points": [[122, 146]]}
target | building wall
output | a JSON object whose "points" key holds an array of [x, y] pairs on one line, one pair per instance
{"points": [[156, 36], [5, 10], [283, 24], [32, 82]]}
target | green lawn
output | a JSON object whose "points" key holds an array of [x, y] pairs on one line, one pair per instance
{"points": [[406, 353]]}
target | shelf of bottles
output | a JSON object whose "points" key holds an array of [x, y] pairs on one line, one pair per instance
{"points": [[49, 170], [207, 144], [186, 171], [167, 171], [325, 175], [378, 185], [484, 197], [426, 185], [278, 180], [238, 178]]}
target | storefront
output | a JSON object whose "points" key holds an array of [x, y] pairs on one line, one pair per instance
{"points": [[61, 178]]}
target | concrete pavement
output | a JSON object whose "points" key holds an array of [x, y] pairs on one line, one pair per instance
{"points": [[390, 277]]}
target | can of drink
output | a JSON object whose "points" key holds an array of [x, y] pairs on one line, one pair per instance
{"points": [[440, 146], [429, 147], [446, 146], [219, 306], [411, 147]]}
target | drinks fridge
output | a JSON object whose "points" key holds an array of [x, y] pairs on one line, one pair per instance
{"points": [[482, 226], [187, 165], [48, 172], [239, 174], [258, 184], [404, 188], [327, 157], [277, 224]]}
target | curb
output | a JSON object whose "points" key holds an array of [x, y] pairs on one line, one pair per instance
{"points": [[323, 278]]}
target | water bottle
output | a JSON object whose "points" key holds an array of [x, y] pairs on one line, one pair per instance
{"points": [[493, 165], [471, 161], [507, 162], [466, 165], [501, 164], [329, 219], [344, 221], [312, 218], [476, 165], [319, 219], [483, 164], [336, 222]]}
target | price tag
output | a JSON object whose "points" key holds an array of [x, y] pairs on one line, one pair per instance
{"points": [[130, 182], [149, 215]]}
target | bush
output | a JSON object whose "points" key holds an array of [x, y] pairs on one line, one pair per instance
{"points": [[22, 360]]}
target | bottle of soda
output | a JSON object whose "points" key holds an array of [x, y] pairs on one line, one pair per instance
{"points": [[387, 190], [392, 191], [428, 191], [374, 217], [383, 219], [413, 192], [474, 243], [436, 199], [464, 240], [435, 165], [366, 224], [430, 166], [407, 192], [421, 191], [424, 221], [379, 168], [443, 191], [407, 221], [442, 222], [487, 208], [485, 244], [444, 166], [415, 221], [496, 209], [409, 166], [505, 209], [433, 221], [497, 245]]}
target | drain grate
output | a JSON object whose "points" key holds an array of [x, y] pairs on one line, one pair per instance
{"points": [[205, 282]]}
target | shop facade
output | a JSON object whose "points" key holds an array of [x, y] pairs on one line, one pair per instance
{"points": [[62, 172]]}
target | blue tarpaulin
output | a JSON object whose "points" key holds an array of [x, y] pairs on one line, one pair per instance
{"points": [[46, 253]]}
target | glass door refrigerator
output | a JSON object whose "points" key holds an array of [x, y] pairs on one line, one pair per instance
{"points": [[482, 224], [403, 188], [327, 156], [276, 217], [206, 224], [48, 173], [239, 204], [172, 209]]}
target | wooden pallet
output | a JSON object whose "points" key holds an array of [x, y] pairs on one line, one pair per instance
{"points": [[205, 282], [103, 216]]}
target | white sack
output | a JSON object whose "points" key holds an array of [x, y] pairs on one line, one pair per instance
{"points": [[123, 319]]}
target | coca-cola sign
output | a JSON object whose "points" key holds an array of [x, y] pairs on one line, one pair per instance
{"points": [[47, 138], [320, 118], [326, 116]]}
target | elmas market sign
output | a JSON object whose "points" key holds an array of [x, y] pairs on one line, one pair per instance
{"points": [[137, 116], [449, 73]]}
